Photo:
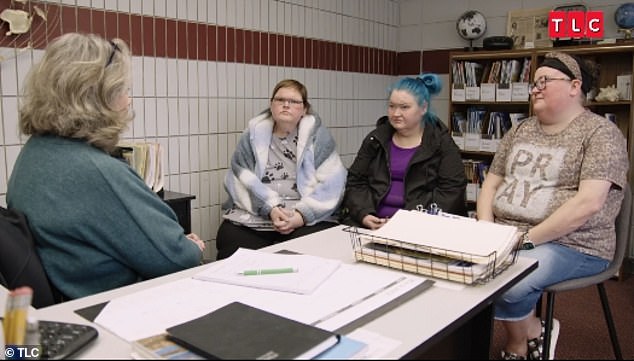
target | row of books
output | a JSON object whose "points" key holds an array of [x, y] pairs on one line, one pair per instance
{"points": [[481, 131], [506, 71], [146, 158], [479, 120], [470, 121], [466, 73]]}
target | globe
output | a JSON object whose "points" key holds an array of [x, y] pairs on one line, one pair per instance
{"points": [[471, 25], [624, 16]]}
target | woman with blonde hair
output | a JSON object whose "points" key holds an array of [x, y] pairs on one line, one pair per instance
{"points": [[97, 226]]}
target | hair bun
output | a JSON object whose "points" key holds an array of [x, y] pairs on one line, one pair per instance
{"points": [[432, 82]]}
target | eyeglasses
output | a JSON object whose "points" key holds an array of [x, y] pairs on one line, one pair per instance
{"points": [[540, 83], [283, 101], [115, 48]]}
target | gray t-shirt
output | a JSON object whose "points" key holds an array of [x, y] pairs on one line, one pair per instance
{"points": [[281, 168], [542, 171]]}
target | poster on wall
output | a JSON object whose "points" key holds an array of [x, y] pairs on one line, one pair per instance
{"points": [[529, 28]]}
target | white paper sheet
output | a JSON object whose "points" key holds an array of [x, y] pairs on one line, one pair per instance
{"points": [[378, 345], [311, 271], [352, 291], [479, 239]]}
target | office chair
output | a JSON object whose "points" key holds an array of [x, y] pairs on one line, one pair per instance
{"points": [[622, 238], [19, 263]]}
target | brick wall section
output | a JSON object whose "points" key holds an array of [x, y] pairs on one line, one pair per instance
{"points": [[162, 37]]}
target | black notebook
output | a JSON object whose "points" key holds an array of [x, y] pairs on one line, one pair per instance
{"points": [[239, 331]]}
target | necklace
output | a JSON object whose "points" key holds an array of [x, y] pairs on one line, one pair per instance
{"points": [[407, 141]]}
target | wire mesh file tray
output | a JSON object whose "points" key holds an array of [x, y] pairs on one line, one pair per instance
{"points": [[434, 262]]}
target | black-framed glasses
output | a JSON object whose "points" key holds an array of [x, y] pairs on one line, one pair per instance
{"points": [[115, 48], [540, 83], [282, 101]]}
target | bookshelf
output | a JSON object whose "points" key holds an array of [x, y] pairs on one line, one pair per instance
{"points": [[474, 106], [616, 62]]}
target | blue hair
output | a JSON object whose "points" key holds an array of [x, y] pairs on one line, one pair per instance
{"points": [[422, 87]]}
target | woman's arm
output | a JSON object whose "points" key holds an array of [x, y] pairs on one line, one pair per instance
{"points": [[244, 186], [321, 179], [571, 215], [484, 205], [449, 195], [358, 199]]}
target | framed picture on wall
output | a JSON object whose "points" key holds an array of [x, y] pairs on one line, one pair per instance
{"points": [[529, 28]]}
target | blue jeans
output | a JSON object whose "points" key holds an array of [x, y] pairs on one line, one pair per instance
{"points": [[556, 263]]}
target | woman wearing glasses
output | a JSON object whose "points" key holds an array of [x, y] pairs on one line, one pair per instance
{"points": [[408, 161], [96, 224], [558, 176], [286, 179]]}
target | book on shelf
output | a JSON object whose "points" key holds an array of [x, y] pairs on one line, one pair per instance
{"points": [[161, 347], [240, 331], [310, 271], [146, 158]]}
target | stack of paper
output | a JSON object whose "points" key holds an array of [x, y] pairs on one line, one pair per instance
{"points": [[450, 237], [444, 246], [419, 262], [309, 271]]}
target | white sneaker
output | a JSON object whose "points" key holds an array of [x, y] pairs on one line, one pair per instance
{"points": [[535, 346], [554, 335]]}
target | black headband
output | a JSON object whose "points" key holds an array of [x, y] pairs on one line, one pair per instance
{"points": [[586, 77]]}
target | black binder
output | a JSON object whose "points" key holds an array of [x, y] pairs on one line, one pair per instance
{"points": [[239, 331]]}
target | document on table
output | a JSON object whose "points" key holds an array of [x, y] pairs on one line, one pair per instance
{"points": [[351, 292], [309, 271], [455, 237]]}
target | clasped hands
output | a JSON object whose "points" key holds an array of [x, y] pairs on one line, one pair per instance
{"points": [[197, 241], [286, 221]]}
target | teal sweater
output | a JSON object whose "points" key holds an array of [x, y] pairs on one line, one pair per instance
{"points": [[96, 224]]}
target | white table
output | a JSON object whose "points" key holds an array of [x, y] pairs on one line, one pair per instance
{"points": [[453, 322]]}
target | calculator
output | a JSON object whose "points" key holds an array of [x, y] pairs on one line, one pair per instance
{"points": [[60, 340]]}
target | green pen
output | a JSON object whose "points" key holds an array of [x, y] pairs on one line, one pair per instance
{"points": [[269, 271]]}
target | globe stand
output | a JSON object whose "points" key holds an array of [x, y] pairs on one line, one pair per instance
{"points": [[627, 33], [470, 48]]}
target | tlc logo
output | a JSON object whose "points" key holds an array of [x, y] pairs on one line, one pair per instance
{"points": [[575, 24]]}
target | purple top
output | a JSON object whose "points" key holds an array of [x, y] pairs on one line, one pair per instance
{"points": [[395, 197]]}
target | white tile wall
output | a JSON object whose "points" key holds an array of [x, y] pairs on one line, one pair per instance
{"points": [[198, 109]]}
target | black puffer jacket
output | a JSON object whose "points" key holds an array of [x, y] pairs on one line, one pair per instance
{"points": [[435, 174]]}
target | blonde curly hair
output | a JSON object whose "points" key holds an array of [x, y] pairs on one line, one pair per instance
{"points": [[71, 91]]}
